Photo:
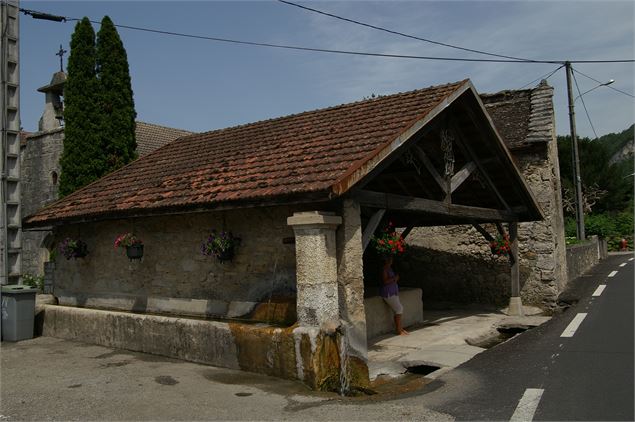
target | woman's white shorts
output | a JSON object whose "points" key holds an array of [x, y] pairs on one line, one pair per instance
{"points": [[395, 304]]}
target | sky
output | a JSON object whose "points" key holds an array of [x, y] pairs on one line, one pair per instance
{"points": [[201, 85]]}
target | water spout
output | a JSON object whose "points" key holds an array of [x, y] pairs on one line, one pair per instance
{"points": [[345, 375]]}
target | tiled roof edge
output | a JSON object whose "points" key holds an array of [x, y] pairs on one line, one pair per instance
{"points": [[541, 125]]}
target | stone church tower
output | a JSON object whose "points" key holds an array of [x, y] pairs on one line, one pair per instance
{"points": [[40, 156]]}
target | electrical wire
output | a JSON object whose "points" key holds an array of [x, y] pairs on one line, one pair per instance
{"points": [[546, 76], [608, 86], [46, 16], [390, 31], [583, 104]]}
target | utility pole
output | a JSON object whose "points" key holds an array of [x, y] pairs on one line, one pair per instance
{"points": [[10, 218], [579, 207]]}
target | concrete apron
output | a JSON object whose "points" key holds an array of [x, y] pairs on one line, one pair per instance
{"points": [[308, 354], [445, 339]]}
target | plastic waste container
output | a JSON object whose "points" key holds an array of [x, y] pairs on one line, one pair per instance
{"points": [[18, 312]]}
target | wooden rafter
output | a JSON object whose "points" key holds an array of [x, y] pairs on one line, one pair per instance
{"points": [[410, 204], [403, 187], [370, 228], [484, 232], [430, 167], [462, 175], [407, 231], [469, 152]]}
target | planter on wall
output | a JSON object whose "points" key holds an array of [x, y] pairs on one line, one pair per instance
{"points": [[134, 251], [226, 255]]}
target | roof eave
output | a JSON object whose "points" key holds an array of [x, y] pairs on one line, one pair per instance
{"points": [[279, 200]]}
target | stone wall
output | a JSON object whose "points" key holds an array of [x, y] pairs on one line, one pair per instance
{"points": [[582, 257], [40, 169], [173, 276]]}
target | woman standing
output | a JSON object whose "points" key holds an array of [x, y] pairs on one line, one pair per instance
{"points": [[390, 293]]}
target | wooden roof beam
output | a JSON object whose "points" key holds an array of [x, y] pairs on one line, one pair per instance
{"points": [[430, 167], [370, 228], [469, 152], [410, 204], [461, 176]]}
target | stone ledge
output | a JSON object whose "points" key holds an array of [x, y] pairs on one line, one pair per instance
{"points": [[314, 218], [379, 316]]}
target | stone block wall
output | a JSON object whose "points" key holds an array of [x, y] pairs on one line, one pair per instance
{"points": [[173, 276], [582, 257], [40, 170]]}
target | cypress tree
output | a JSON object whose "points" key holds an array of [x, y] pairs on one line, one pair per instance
{"points": [[82, 160], [117, 128]]}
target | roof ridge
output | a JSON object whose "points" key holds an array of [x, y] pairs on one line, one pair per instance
{"points": [[165, 127], [318, 110]]}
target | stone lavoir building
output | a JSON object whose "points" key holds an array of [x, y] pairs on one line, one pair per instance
{"points": [[305, 193]]}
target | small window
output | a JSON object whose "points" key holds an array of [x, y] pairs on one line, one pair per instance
{"points": [[54, 178]]}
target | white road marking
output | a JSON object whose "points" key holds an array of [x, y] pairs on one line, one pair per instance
{"points": [[630, 259], [623, 264], [527, 405], [573, 326], [599, 290], [612, 274]]}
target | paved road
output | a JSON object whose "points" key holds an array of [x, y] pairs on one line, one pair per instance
{"points": [[588, 376]]}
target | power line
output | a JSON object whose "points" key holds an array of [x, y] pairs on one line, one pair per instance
{"points": [[390, 31], [46, 16], [584, 105], [545, 76], [608, 86]]}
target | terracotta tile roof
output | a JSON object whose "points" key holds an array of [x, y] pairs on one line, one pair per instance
{"points": [[292, 156], [150, 136], [522, 117]]}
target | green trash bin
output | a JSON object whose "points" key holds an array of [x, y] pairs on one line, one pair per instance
{"points": [[18, 312]]}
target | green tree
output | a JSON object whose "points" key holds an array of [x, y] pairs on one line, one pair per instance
{"points": [[82, 160], [116, 104], [612, 181]]}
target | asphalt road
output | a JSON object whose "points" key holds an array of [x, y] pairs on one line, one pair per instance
{"points": [[588, 376]]}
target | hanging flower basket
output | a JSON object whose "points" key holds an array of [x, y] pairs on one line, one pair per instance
{"points": [[72, 248], [501, 246], [134, 251], [389, 242], [133, 245], [221, 245]]}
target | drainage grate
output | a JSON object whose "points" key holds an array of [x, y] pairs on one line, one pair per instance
{"points": [[422, 369]]}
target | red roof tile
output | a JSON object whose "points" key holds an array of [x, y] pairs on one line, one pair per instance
{"points": [[150, 136], [287, 156]]}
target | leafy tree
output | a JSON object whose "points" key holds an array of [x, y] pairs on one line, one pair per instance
{"points": [[116, 104], [611, 185], [82, 159]]}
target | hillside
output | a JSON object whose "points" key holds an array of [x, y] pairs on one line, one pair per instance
{"points": [[619, 145]]}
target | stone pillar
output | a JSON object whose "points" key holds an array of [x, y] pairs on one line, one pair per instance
{"points": [[515, 302], [350, 277], [316, 269]]}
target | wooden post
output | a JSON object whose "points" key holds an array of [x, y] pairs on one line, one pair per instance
{"points": [[515, 303]]}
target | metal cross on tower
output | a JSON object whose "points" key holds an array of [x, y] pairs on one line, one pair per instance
{"points": [[61, 53]]}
